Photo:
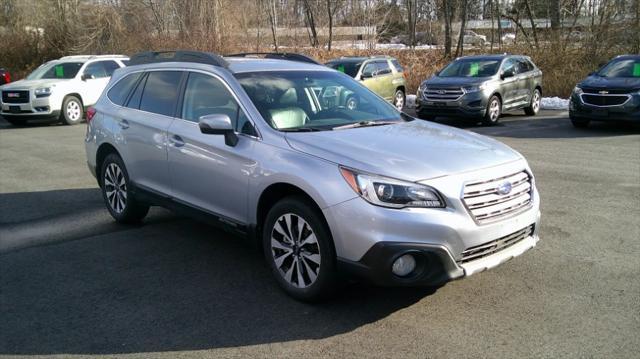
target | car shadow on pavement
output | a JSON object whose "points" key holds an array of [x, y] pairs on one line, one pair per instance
{"points": [[166, 285]]}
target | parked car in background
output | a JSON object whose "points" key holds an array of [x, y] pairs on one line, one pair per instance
{"points": [[472, 38], [611, 93], [326, 190], [508, 38], [59, 90], [381, 74], [5, 77], [481, 87]]}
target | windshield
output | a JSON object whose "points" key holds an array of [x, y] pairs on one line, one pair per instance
{"points": [[471, 68], [56, 70], [349, 68], [621, 68], [314, 100]]}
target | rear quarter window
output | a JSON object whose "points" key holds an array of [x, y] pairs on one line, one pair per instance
{"points": [[120, 91], [397, 65]]}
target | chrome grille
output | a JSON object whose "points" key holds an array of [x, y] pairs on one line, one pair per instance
{"points": [[442, 94], [488, 201], [604, 100], [489, 248], [15, 96]]}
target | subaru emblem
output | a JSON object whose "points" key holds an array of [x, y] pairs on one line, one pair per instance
{"points": [[504, 188]]}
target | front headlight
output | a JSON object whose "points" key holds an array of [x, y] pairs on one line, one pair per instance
{"points": [[577, 90], [42, 92], [474, 88], [392, 193]]}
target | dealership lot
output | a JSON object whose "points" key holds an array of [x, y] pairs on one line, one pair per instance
{"points": [[74, 282]]}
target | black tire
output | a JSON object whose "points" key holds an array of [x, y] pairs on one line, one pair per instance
{"points": [[399, 99], [534, 105], [580, 123], [72, 111], [123, 208], [492, 117], [299, 253]]}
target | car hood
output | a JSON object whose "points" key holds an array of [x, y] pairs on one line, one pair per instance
{"points": [[622, 83], [412, 151], [31, 84], [455, 81]]}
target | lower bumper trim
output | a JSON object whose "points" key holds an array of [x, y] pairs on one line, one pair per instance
{"points": [[500, 257]]}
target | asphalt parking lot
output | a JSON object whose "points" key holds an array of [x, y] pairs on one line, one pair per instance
{"points": [[74, 282]]}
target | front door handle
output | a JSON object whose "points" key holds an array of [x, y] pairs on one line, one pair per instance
{"points": [[176, 141], [124, 124]]}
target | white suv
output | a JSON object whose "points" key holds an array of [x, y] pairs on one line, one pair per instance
{"points": [[59, 90]]}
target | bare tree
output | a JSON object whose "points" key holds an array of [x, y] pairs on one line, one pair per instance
{"points": [[463, 22], [448, 15], [332, 7], [273, 21]]}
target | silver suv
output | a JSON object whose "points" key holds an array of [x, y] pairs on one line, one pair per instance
{"points": [[263, 148]]}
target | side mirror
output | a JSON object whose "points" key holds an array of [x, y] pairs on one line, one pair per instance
{"points": [[86, 77], [506, 74], [218, 125], [366, 75]]}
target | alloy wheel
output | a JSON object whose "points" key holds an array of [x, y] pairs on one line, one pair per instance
{"points": [[73, 111], [352, 104], [295, 250], [399, 101], [494, 110], [115, 188], [535, 104]]}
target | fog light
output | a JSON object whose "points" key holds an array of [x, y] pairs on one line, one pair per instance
{"points": [[404, 265]]}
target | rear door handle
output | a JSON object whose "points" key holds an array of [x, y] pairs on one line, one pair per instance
{"points": [[176, 141], [124, 124]]}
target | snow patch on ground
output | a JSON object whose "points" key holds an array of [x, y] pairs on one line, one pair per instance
{"points": [[554, 103]]}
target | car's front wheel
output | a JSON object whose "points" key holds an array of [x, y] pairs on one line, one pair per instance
{"points": [[117, 193], [399, 99], [72, 110], [298, 247], [494, 110]]}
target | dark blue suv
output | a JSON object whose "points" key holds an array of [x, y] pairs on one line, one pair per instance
{"points": [[609, 94]]}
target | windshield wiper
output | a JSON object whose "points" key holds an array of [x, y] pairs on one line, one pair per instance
{"points": [[299, 129], [364, 124]]}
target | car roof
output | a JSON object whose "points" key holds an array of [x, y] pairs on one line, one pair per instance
{"points": [[627, 57], [238, 65], [487, 57], [85, 58], [356, 59]]}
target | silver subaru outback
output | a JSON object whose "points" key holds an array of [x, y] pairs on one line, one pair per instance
{"points": [[267, 148]]}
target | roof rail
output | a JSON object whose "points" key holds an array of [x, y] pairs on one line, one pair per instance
{"points": [[151, 57], [278, 55], [71, 57]]}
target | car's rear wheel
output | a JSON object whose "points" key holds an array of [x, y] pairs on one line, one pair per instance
{"points": [[580, 123], [494, 110], [298, 247], [117, 193], [399, 99], [534, 106], [72, 111]]}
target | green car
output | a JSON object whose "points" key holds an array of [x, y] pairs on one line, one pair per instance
{"points": [[380, 74]]}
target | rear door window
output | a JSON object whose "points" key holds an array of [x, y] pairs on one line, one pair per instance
{"points": [[120, 91], [161, 92], [96, 70], [110, 67]]}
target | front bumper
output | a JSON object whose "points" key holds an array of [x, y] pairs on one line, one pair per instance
{"points": [[470, 105], [630, 111], [369, 238]]}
